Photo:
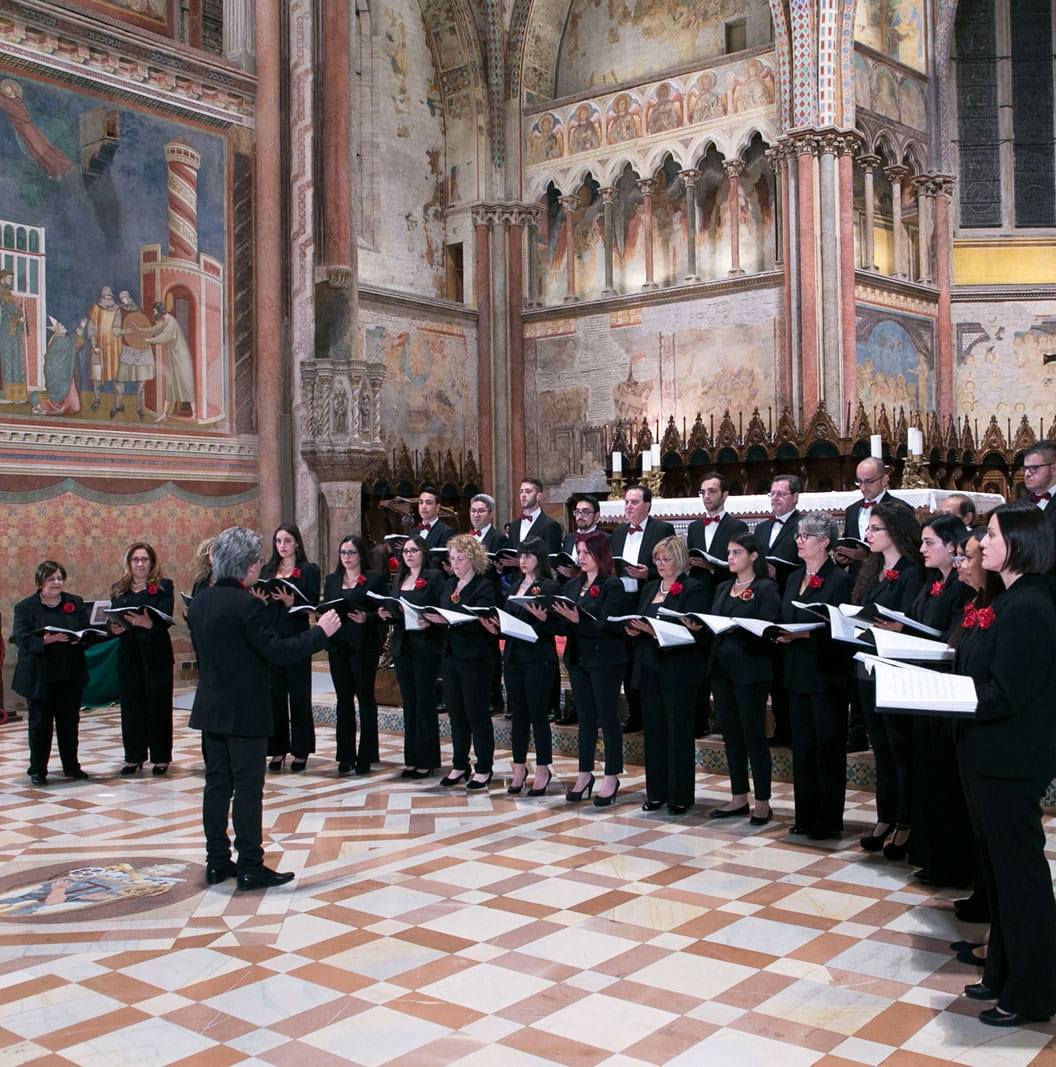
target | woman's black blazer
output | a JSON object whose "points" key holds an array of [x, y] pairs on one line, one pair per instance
{"points": [[818, 663], [946, 607], [360, 637], [744, 657], [470, 640], [150, 646], [427, 642], [523, 653], [35, 659], [308, 582], [677, 668], [593, 642], [900, 593]]}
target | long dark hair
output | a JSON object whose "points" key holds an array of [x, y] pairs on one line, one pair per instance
{"points": [[750, 543], [124, 583], [598, 546], [295, 533], [904, 531], [404, 569], [535, 546], [1026, 533], [361, 548]]}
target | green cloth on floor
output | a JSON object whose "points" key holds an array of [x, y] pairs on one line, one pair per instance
{"points": [[102, 687]]}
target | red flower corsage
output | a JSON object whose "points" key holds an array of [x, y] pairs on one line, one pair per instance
{"points": [[814, 582], [890, 574], [746, 595], [420, 583], [394, 564], [455, 598], [985, 618], [152, 588], [594, 592], [676, 588], [69, 607], [296, 572], [361, 580], [535, 590], [936, 587]]}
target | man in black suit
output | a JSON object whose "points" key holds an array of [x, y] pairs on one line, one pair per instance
{"points": [[236, 644], [633, 543], [481, 520], [712, 534], [777, 535], [1039, 476], [586, 511], [872, 478], [431, 528], [533, 522]]}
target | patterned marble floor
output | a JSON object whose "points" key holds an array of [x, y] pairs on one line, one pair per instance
{"points": [[425, 928]]}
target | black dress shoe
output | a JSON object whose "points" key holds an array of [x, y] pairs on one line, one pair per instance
{"points": [[130, 768], [965, 946], [677, 809], [39, 779], [299, 765], [824, 833], [263, 878], [407, 772], [996, 1017], [728, 813], [362, 766], [476, 784], [795, 828], [78, 775], [653, 805], [422, 772], [605, 802], [215, 873], [345, 767], [447, 781], [761, 820], [969, 957], [160, 768], [978, 991]]}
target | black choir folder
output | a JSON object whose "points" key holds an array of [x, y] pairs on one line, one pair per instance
{"points": [[902, 689], [87, 635]]}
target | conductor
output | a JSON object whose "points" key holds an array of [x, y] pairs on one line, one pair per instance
{"points": [[236, 644]]}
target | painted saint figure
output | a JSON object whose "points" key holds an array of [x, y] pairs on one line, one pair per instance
{"points": [[34, 143], [665, 112], [104, 322], [136, 364], [174, 355], [12, 340], [60, 395]]}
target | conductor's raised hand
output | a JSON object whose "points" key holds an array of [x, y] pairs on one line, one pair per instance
{"points": [[330, 622]]}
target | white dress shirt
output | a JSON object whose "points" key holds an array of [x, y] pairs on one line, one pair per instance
{"points": [[712, 529], [864, 513], [526, 524]]}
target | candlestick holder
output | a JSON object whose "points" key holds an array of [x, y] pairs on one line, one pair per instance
{"points": [[914, 474], [617, 487], [655, 480]]}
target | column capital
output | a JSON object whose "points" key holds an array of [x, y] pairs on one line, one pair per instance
{"points": [[484, 214], [897, 173], [734, 167], [647, 186], [869, 163], [802, 143], [849, 143], [935, 184], [829, 143], [512, 214], [689, 176]]}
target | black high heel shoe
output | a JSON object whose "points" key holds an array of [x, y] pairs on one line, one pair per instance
{"points": [[447, 782], [873, 842], [131, 768], [422, 772], [541, 791], [276, 763], [476, 784], [893, 851], [161, 768], [298, 765], [604, 802], [579, 794], [515, 790]]}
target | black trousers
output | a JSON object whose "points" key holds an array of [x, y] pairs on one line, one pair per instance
{"points": [[467, 691], [1021, 955], [353, 673], [417, 676], [667, 715], [819, 758], [597, 695], [741, 711], [780, 704], [234, 770], [528, 694], [291, 709], [634, 697], [59, 711], [146, 710], [891, 738]]}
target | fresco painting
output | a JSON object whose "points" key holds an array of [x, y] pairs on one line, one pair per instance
{"points": [[113, 245], [895, 28], [895, 359]]}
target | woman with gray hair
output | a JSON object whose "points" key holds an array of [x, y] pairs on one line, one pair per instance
{"points": [[817, 676]]}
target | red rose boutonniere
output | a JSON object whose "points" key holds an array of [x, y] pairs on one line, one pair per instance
{"points": [[594, 592], [296, 572], [455, 598], [535, 590], [152, 588], [69, 607], [969, 619], [814, 582], [394, 564], [676, 588], [985, 618], [747, 595], [361, 580], [936, 587], [890, 574], [420, 583]]}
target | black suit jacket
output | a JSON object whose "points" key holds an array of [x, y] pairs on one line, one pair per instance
{"points": [[308, 581], [544, 528], [742, 656], [655, 531], [850, 516], [730, 526], [594, 643], [37, 661], [438, 536], [236, 644], [148, 648], [945, 609], [469, 640], [816, 664], [1013, 662], [900, 593], [523, 654], [363, 638], [676, 668], [427, 642], [493, 540], [784, 546]]}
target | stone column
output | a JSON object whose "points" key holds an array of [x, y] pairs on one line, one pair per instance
{"points": [[923, 184], [869, 165], [689, 179], [779, 161], [516, 218], [570, 203], [734, 169], [896, 176], [941, 189], [267, 258], [805, 148], [239, 27], [648, 187], [531, 293], [608, 195], [828, 215], [482, 220], [847, 146]]}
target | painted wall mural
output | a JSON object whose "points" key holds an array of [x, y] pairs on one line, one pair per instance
{"points": [[1006, 359], [113, 246], [645, 362], [895, 359], [895, 28], [623, 40]]}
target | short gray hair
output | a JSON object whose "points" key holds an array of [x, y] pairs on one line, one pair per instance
{"points": [[487, 501], [234, 551], [820, 524]]}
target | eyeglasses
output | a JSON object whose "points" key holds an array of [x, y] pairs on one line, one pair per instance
{"points": [[348, 551], [958, 560], [868, 481], [801, 536], [1033, 468], [582, 511], [876, 529], [779, 492]]}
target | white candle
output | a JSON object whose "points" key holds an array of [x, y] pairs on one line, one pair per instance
{"points": [[647, 461], [617, 463], [916, 442], [654, 454], [876, 447]]}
